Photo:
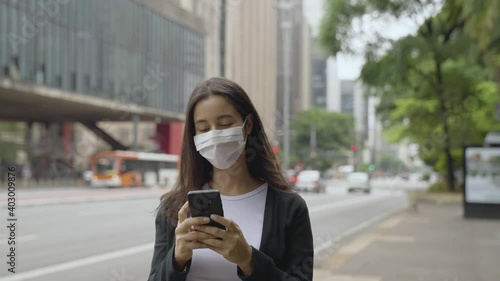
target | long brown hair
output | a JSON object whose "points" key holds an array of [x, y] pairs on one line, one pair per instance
{"points": [[195, 171]]}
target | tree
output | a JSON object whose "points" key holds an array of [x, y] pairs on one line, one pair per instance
{"points": [[431, 84], [391, 164], [10, 128], [334, 135], [482, 21]]}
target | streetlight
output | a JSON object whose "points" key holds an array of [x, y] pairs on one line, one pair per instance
{"points": [[286, 25]]}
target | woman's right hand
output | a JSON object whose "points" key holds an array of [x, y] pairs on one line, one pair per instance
{"points": [[186, 238]]}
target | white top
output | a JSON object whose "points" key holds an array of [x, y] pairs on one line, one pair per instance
{"points": [[247, 211]]}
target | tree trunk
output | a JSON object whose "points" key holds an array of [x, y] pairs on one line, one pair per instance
{"points": [[496, 74], [444, 119]]}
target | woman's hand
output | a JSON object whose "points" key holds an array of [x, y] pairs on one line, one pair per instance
{"points": [[231, 243], [186, 239]]}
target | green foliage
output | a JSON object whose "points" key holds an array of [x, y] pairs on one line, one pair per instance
{"points": [[334, 134], [426, 177], [363, 167], [8, 151], [391, 164], [487, 93], [10, 127], [9, 130], [495, 161], [482, 21], [438, 187], [338, 28], [420, 103]]}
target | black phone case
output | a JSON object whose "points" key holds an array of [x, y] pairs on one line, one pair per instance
{"points": [[203, 203]]}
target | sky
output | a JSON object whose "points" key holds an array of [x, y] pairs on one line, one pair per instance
{"points": [[349, 67]]}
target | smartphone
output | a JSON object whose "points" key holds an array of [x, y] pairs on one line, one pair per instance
{"points": [[203, 203]]}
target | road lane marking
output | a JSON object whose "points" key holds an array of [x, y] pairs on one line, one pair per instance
{"points": [[90, 199], [390, 223], [78, 263], [396, 238], [352, 230], [357, 245], [94, 212], [338, 277], [351, 202], [417, 220], [361, 243], [19, 239]]}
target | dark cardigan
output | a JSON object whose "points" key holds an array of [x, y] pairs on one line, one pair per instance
{"points": [[286, 250]]}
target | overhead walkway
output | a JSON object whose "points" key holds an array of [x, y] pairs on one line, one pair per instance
{"points": [[25, 102]]}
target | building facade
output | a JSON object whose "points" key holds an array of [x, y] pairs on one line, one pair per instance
{"points": [[333, 97], [104, 48], [319, 76], [350, 99], [250, 59], [307, 67], [347, 96], [300, 64]]}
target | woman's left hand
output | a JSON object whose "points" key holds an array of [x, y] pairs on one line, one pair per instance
{"points": [[232, 245]]}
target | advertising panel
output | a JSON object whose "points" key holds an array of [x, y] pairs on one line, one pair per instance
{"points": [[482, 178]]}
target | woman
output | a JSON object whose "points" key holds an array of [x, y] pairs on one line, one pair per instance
{"points": [[268, 232]]}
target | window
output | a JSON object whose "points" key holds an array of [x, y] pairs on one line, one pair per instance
{"points": [[28, 57], [65, 59], [98, 46], [104, 166], [4, 43], [347, 103], [71, 62]]}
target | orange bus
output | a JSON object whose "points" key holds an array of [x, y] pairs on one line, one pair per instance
{"points": [[128, 168]]}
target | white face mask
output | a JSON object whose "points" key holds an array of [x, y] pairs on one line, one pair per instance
{"points": [[221, 147]]}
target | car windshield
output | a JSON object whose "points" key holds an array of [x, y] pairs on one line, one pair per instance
{"points": [[358, 177], [104, 166]]}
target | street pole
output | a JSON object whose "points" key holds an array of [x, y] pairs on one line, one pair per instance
{"points": [[355, 152], [286, 25], [286, 92], [222, 49], [135, 120], [374, 150], [314, 154]]}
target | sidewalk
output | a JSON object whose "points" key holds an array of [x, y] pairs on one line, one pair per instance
{"points": [[433, 244]]}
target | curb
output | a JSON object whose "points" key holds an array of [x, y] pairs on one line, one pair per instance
{"points": [[441, 199]]}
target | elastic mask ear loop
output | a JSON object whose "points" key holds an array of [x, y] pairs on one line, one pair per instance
{"points": [[243, 127]]}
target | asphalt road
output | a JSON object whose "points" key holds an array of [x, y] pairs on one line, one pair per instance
{"points": [[113, 240]]}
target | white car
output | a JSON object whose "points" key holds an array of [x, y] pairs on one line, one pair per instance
{"points": [[358, 181], [310, 181]]}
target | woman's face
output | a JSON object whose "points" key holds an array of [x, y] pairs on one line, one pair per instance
{"points": [[215, 113]]}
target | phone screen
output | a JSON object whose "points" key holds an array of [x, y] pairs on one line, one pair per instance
{"points": [[203, 203]]}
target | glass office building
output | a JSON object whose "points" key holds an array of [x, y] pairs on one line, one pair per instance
{"points": [[112, 49]]}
